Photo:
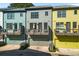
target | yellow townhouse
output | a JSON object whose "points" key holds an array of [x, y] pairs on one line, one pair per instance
{"points": [[65, 27]]}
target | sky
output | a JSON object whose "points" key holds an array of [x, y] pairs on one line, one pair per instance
{"points": [[5, 5]]}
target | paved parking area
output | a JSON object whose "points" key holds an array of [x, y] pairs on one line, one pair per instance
{"points": [[12, 50]]}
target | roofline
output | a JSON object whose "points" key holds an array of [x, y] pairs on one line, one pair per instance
{"points": [[65, 8], [25, 9], [38, 8], [13, 9]]}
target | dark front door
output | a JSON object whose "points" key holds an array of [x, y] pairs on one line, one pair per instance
{"points": [[68, 26], [39, 27], [15, 26]]}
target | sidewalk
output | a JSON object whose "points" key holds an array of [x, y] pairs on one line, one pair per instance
{"points": [[44, 49], [40, 48], [9, 47], [12, 50], [66, 52]]}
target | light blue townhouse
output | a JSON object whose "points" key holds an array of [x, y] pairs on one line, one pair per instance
{"points": [[14, 25]]}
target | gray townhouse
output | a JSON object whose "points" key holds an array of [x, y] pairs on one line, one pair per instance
{"points": [[38, 23]]}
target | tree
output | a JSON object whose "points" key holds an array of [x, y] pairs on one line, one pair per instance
{"points": [[20, 5]]}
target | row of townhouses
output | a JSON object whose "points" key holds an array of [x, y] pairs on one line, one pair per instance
{"points": [[35, 20], [46, 26]]}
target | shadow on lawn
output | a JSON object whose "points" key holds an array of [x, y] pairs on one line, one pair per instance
{"points": [[26, 52]]}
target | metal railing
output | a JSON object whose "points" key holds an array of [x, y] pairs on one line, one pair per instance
{"points": [[37, 32], [65, 32], [12, 32]]}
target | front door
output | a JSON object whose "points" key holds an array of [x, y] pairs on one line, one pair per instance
{"points": [[68, 26], [39, 27], [15, 26]]}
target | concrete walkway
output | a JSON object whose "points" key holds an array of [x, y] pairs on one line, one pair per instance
{"points": [[9, 47]]}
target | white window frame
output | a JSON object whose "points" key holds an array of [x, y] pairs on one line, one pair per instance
{"points": [[61, 13]]}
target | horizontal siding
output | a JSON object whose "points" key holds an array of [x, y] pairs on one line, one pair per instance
{"points": [[66, 42], [42, 18], [17, 19]]}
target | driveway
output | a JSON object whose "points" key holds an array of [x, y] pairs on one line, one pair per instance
{"points": [[12, 50]]}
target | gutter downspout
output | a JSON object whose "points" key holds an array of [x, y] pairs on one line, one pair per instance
{"points": [[51, 33], [52, 30], [4, 40], [27, 40], [25, 28]]}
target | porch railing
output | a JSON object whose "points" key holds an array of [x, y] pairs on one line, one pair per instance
{"points": [[12, 32], [37, 32], [74, 32]]}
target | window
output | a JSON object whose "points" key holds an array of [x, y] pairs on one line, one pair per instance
{"points": [[35, 25], [10, 15], [74, 24], [34, 15], [31, 26], [46, 13], [15, 26], [75, 11], [20, 24], [59, 24], [61, 13], [60, 27], [45, 26], [9, 26], [39, 27], [21, 14]]}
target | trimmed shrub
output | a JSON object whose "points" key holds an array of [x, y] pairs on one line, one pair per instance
{"points": [[23, 46]]}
